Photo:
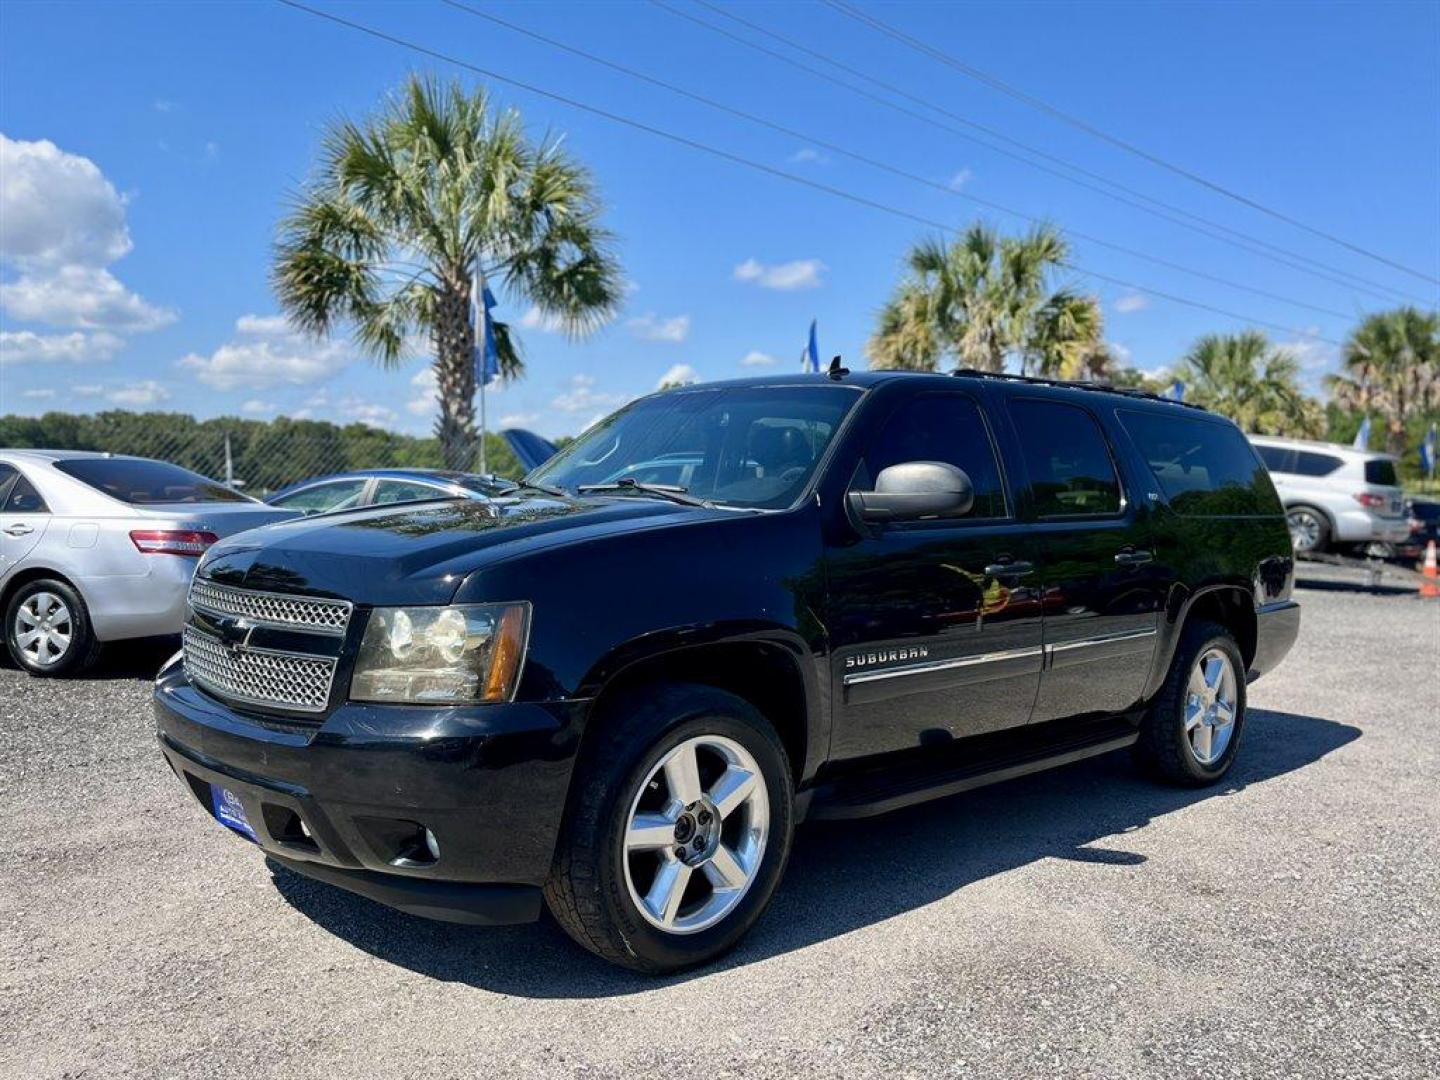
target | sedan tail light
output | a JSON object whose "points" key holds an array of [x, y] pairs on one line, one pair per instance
{"points": [[1370, 500], [172, 541]]}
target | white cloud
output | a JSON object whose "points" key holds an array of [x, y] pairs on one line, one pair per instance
{"points": [[651, 327], [799, 274], [255, 405], [28, 347], [678, 375], [1131, 302], [960, 179], [139, 394], [1119, 351], [268, 353], [367, 412], [57, 209], [535, 319], [808, 155], [1316, 358], [520, 420], [61, 223], [163, 106], [427, 393], [38, 394], [583, 397], [755, 358], [85, 296], [87, 390]]}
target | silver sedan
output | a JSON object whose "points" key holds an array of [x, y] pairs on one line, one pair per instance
{"points": [[100, 547]]}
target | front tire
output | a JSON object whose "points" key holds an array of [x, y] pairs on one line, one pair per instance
{"points": [[47, 629], [678, 831], [1191, 732]]}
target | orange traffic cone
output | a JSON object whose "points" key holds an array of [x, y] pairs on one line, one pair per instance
{"points": [[1428, 587]]}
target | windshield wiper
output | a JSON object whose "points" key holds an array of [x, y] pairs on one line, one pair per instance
{"points": [[666, 491], [544, 489]]}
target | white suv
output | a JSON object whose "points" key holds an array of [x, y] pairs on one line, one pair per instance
{"points": [[1335, 495]]}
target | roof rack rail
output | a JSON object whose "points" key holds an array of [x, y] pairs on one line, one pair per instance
{"points": [[1074, 384]]}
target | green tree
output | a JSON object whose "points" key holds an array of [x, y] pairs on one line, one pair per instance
{"points": [[408, 203], [1392, 367], [983, 298], [1257, 385]]}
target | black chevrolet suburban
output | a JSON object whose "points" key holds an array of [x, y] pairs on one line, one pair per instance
{"points": [[727, 608]]}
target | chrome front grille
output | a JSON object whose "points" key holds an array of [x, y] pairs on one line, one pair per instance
{"points": [[298, 681], [309, 613]]}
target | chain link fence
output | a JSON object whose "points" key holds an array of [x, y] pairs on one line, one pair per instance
{"points": [[256, 456]]}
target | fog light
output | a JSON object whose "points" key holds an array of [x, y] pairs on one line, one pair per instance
{"points": [[432, 845]]}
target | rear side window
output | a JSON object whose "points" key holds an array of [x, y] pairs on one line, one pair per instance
{"points": [[1071, 471], [7, 480], [1309, 463], [398, 491], [1204, 467], [1277, 458], [24, 499], [1381, 471], [941, 427], [324, 497], [142, 483]]}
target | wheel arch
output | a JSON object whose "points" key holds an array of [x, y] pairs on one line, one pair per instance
{"points": [[769, 669], [1227, 603], [25, 575]]}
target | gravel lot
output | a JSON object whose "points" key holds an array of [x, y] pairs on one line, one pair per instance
{"points": [[1079, 923]]}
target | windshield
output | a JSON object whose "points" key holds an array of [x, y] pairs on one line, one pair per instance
{"points": [[753, 446], [140, 482]]}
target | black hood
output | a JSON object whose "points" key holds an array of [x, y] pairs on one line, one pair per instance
{"points": [[421, 554]]}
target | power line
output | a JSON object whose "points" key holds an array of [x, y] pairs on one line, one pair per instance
{"points": [[1168, 212], [968, 70], [726, 155], [874, 162]]}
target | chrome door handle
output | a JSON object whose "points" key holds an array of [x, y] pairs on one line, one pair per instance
{"points": [[1130, 557], [19, 530], [1009, 569]]}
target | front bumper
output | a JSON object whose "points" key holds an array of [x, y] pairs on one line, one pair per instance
{"points": [[489, 782], [1277, 625]]}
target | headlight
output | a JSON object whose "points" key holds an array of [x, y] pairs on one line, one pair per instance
{"points": [[440, 655]]}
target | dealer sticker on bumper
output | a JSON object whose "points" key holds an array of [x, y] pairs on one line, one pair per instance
{"points": [[230, 812]]}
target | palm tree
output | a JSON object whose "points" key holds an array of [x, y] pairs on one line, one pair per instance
{"points": [[1249, 380], [1392, 365], [981, 299], [408, 204]]}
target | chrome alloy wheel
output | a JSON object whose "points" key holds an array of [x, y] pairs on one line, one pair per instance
{"points": [[1210, 706], [1306, 530], [695, 834], [44, 628]]}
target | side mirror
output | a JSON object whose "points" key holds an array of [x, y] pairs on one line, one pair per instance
{"points": [[915, 490]]}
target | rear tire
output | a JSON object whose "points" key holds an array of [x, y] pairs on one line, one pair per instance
{"points": [[47, 629], [1309, 529], [617, 886], [1192, 730]]}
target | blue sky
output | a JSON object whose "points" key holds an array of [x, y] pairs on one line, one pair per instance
{"points": [[150, 149]]}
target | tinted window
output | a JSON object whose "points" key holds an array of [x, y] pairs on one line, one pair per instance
{"points": [[1425, 511], [941, 427], [396, 491], [1277, 458], [1204, 467], [24, 499], [7, 478], [1309, 463], [753, 446], [1069, 462], [342, 494], [1381, 471], [140, 482]]}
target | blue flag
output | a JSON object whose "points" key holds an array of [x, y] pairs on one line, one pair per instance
{"points": [[1362, 437], [1177, 391], [487, 356], [810, 358], [1427, 452]]}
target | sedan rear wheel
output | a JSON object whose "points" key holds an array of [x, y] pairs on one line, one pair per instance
{"points": [[47, 629]]}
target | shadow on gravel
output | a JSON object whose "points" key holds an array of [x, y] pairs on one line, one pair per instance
{"points": [[843, 876], [1356, 586], [139, 659]]}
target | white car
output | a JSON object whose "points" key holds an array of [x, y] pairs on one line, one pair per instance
{"points": [[100, 547], [1335, 495]]}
